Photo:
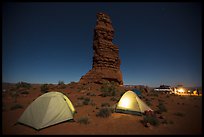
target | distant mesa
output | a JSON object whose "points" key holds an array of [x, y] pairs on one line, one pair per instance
{"points": [[106, 61]]}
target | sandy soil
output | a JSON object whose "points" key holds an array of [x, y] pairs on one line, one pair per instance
{"points": [[116, 123]]}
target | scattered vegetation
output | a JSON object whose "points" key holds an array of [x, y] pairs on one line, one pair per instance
{"points": [[150, 119], [104, 112], [86, 101], [16, 106], [44, 88], [83, 120], [23, 85], [61, 84], [108, 88], [161, 108]]}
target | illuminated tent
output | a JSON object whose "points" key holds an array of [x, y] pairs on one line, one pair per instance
{"points": [[131, 103], [48, 109]]}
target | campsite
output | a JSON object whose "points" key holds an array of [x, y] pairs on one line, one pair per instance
{"points": [[94, 112]]}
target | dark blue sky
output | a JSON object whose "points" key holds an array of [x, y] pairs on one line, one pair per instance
{"points": [[159, 43]]}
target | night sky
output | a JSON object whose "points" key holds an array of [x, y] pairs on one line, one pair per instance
{"points": [[159, 43]]}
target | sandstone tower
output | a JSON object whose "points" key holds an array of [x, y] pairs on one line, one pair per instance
{"points": [[106, 61]]}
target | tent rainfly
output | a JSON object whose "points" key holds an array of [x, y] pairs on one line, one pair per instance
{"points": [[48, 109], [131, 103]]}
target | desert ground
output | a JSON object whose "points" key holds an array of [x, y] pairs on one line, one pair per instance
{"points": [[182, 115]]}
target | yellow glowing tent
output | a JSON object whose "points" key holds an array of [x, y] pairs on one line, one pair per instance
{"points": [[131, 103], [48, 109]]}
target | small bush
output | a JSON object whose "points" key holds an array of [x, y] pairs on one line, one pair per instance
{"points": [[61, 85], [44, 88], [150, 119], [108, 88], [23, 85], [86, 101], [104, 112], [83, 120], [16, 106], [161, 107]]}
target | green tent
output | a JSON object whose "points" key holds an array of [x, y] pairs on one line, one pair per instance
{"points": [[131, 103], [48, 109]]}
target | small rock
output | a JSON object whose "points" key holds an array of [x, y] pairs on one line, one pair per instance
{"points": [[147, 125]]}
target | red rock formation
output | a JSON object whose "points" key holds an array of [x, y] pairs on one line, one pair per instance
{"points": [[106, 61]]}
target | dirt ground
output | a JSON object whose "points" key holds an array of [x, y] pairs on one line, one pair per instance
{"points": [[188, 122]]}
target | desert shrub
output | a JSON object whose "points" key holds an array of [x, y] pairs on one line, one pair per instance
{"points": [[179, 114], [23, 85], [44, 88], [150, 119], [105, 105], [86, 101], [61, 84], [25, 92], [83, 120], [104, 112], [108, 88], [161, 108], [16, 106]]}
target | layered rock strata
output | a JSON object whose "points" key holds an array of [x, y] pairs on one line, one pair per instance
{"points": [[106, 61]]}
